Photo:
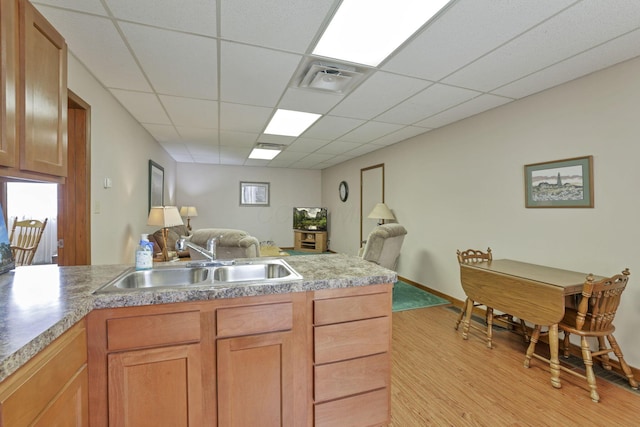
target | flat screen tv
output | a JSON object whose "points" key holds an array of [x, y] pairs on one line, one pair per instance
{"points": [[311, 219]]}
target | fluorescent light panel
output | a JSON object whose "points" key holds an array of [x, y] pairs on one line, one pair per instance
{"points": [[290, 123], [367, 31], [263, 153]]}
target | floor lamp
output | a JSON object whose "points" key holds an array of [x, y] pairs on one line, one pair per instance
{"points": [[165, 217]]}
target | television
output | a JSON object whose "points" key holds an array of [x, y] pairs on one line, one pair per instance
{"points": [[311, 219]]}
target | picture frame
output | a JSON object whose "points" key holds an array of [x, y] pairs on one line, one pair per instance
{"points": [[254, 193], [566, 183], [156, 184]]}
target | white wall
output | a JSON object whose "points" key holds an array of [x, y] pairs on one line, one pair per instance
{"points": [[462, 186], [120, 150], [215, 191]]}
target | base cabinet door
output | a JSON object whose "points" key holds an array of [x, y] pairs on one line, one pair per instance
{"points": [[255, 380], [156, 387]]}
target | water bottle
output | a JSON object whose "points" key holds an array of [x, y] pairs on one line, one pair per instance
{"points": [[144, 254]]}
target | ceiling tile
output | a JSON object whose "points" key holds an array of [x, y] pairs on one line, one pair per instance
{"points": [[465, 32], [309, 100], [145, 107], [430, 101], [255, 76], [253, 22], [209, 136], [198, 16], [370, 131], [233, 155], [467, 109], [607, 54], [243, 118], [400, 135], [244, 139], [579, 28], [88, 6], [377, 94], [162, 133], [364, 149], [338, 147], [97, 44], [331, 127], [307, 145], [191, 112], [175, 63]]}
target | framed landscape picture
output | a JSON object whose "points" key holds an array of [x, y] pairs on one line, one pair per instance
{"points": [[564, 183], [156, 184]]}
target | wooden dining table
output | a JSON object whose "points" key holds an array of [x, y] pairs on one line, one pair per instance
{"points": [[534, 293]]}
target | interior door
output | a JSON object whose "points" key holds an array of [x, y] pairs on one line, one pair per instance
{"points": [[371, 192]]}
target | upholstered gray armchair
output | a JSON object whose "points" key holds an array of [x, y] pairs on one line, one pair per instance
{"points": [[383, 245]]}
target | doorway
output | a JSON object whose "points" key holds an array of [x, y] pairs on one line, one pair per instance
{"points": [[371, 192]]}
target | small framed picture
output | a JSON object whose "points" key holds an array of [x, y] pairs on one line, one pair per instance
{"points": [[254, 193], [156, 184], [564, 183]]}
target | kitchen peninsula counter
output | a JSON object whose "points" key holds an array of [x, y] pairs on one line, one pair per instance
{"points": [[40, 303]]}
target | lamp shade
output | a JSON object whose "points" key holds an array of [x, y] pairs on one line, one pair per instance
{"points": [[164, 216], [188, 211], [381, 211]]}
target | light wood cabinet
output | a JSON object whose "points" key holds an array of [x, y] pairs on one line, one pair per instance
{"points": [[52, 388], [34, 95], [352, 356], [311, 241]]}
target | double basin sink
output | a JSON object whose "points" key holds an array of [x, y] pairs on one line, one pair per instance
{"points": [[202, 274]]}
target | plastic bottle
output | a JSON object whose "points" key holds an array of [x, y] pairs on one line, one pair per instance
{"points": [[144, 253]]}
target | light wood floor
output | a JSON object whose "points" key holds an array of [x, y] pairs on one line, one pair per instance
{"points": [[439, 379]]}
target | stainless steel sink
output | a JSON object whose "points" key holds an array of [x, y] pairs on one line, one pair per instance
{"points": [[258, 271]]}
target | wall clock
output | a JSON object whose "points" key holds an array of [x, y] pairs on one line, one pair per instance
{"points": [[343, 188]]}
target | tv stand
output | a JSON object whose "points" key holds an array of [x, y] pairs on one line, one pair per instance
{"points": [[310, 241]]}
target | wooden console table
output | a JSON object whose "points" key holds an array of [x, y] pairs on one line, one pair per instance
{"points": [[311, 241], [530, 292]]}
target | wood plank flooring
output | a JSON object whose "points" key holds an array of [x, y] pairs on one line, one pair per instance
{"points": [[438, 379]]}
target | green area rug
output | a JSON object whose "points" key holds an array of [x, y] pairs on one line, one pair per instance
{"points": [[408, 297]]}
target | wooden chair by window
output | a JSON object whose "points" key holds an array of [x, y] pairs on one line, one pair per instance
{"points": [[592, 319], [471, 256], [25, 238]]}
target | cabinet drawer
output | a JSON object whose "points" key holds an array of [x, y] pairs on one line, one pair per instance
{"points": [[153, 330], [357, 307], [351, 377], [350, 340], [254, 319], [367, 409]]}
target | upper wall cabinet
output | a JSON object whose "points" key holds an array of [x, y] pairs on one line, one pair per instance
{"points": [[9, 61], [41, 87]]}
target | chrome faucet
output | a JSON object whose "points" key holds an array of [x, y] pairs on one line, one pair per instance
{"points": [[209, 252]]}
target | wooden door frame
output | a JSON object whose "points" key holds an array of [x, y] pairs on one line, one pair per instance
{"points": [[74, 196], [362, 171]]}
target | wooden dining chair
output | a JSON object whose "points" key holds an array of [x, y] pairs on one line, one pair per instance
{"points": [[471, 256], [25, 238], [592, 319]]}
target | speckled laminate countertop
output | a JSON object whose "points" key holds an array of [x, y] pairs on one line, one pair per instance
{"points": [[39, 303]]}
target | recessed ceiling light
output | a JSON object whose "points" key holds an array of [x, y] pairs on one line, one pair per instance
{"points": [[290, 123], [367, 31], [265, 151]]}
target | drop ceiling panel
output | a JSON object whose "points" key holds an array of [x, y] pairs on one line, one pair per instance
{"points": [[613, 52], [162, 133], [198, 113], [332, 127], [310, 101], [338, 147], [145, 107], [430, 101], [175, 63], [98, 45], [370, 131], [253, 22], [466, 31], [205, 136], [364, 149], [243, 118], [240, 139], [253, 75], [377, 94], [307, 145], [198, 16], [233, 155], [470, 108], [176, 148], [400, 135], [587, 25], [88, 6]]}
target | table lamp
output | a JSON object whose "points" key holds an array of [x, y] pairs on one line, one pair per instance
{"points": [[164, 216], [188, 211], [381, 212]]}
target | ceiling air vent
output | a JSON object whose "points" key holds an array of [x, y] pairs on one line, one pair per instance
{"points": [[330, 77]]}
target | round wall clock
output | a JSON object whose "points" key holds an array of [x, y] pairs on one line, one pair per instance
{"points": [[344, 191]]}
